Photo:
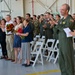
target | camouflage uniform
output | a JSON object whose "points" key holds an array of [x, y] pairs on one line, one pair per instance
{"points": [[36, 27]]}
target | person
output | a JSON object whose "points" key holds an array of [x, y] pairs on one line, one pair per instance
{"points": [[41, 23], [23, 19], [51, 16], [57, 18], [28, 16], [36, 25], [66, 61], [3, 39], [14, 22], [73, 16], [26, 43], [17, 40], [47, 28], [9, 38]]}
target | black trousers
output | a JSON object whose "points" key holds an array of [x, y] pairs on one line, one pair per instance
{"points": [[4, 51]]}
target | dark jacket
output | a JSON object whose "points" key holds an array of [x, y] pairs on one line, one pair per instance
{"points": [[2, 35]]}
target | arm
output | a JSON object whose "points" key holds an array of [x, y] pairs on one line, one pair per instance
{"points": [[26, 34], [72, 33], [55, 31], [22, 34], [69, 24]]}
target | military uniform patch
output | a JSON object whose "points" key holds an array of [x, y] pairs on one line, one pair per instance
{"points": [[63, 22]]}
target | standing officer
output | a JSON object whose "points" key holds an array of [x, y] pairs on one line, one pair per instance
{"points": [[66, 61]]}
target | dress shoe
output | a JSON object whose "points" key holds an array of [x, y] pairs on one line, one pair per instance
{"points": [[27, 65], [24, 64], [12, 60]]}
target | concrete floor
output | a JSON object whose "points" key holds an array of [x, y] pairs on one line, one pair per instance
{"points": [[9, 68]]}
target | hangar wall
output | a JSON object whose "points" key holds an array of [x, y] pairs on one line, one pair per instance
{"points": [[20, 7], [13, 7], [41, 6]]}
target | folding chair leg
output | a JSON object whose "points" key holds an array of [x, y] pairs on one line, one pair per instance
{"points": [[51, 56], [35, 60], [42, 58], [56, 58], [48, 56]]}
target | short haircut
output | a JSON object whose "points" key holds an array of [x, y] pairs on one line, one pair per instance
{"points": [[58, 15], [47, 13], [28, 14], [42, 15], [34, 15], [67, 7], [8, 15]]}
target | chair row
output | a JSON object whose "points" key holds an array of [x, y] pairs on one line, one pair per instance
{"points": [[39, 47]]}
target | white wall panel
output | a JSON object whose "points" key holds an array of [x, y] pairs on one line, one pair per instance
{"points": [[38, 8], [15, 6]]}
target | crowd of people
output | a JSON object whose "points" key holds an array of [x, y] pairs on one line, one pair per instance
{"points": [[16, 34], [16, 41]]}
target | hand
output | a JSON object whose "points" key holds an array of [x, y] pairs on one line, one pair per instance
{"points": [[72, 33], [52, 25], [51, 18], [18, 34], [44, 26]]}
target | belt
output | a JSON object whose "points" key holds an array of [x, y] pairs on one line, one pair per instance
{"points": [[8, 34]]}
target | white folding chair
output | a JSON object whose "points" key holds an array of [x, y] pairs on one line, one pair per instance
{"points": [[74, 45], [38, 52], [35, 39], [43, 37], [32, 44], [41, 40], [74, 42], [52, 51], [48, 48], [38, 37]]}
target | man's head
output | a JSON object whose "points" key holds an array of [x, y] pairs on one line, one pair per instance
{"points": [[34, 17], [57, 17], [64, 10], [73, 16], [47, 15], [28, 16], [51, 16], [42, 16], [8, 18]]}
